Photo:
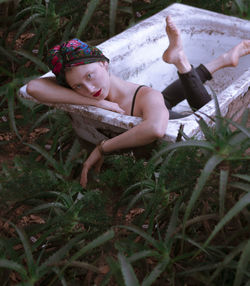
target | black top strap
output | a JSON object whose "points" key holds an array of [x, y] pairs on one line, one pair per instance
{"points": [[133, 102]]}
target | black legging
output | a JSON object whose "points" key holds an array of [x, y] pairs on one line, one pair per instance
{"points": [[189, 86]]}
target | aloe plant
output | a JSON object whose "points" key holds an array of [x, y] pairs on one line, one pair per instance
{"points": [[73, 207], [63, 167], [35, 269], [49, 268], [172, 216]]}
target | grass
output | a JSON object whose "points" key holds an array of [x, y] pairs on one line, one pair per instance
{"points": [[185, 217], [178, 217]]}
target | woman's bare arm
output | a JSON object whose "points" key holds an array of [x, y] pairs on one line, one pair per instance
{"points": [[153, 126], [46, 90], [155, 119]]}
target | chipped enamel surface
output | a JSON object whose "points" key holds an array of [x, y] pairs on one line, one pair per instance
{"points": [[135, 56]]}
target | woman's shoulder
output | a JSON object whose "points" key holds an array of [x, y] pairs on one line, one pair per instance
{"points": [[149, 92], [148, 99]]}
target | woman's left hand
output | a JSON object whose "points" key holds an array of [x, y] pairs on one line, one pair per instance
{"points": [[94, 159]]}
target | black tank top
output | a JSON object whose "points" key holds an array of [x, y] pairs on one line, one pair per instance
{"points": [[134, 97]]}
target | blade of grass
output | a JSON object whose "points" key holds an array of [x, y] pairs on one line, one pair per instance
{"points": [[31, 9], [9, 54], [189, 143], [236, 140], [137, 197], [243, 177], [173, 222], [242, 264], [227, 259], [142, 254], [222, 190], [74, 150], [60, 276], [23, 27], [114, 271], [241, 186], [14, 266], [47, 156], [58, 255], [93, 244], [243, 129], [145, 183], [112, 16], [191, 241], [240, 4], [43, 117], [244, 118], [159, 268], [46, 206], [128, 273], [143, 234], [218, 117], [11, 110], [214, 161], [34, 59], [206, 130], [92, 5], [27, 249], [238, 207]]}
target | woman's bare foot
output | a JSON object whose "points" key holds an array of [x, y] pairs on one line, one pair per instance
{"points": [[231, 58], [174, 54]]}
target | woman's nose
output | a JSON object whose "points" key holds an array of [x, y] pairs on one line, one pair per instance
{"points": [[89, 87]]}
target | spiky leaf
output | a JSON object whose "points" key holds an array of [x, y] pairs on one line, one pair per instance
{"points": [[127, 271]]}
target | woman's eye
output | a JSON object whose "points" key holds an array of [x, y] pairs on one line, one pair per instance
{"points": [[78, 86], [89, 75]]}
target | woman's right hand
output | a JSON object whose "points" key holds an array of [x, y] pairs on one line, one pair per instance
{"points": [[112, 106]]}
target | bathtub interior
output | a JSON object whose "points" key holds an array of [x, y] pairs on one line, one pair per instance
{"points": [[204, 38]]}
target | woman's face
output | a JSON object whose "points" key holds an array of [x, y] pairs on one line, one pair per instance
{"points": [[90, 80]]}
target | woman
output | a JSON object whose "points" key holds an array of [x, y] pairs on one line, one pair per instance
{"points": [[85, 70]]}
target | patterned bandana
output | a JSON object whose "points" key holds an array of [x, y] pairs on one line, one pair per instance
{"points": [[72, 53]]}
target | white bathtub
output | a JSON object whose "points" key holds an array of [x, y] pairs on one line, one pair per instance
{"points": [[136, 54]]}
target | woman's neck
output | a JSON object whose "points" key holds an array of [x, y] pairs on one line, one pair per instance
{"points": [[120, 90]]}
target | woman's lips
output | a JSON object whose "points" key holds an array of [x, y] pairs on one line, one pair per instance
{"points": [[97, 93]]}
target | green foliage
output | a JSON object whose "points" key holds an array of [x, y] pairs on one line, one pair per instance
{"points": [[238, 8], [25, 178], [31, 177], [87, 16], [193, 196], [127, 271], [47, 267], [174, 218], [121, 171], [74, 207]]}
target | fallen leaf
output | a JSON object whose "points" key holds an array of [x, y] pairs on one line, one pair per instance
{"points": [[104, 269], [37, 219]]}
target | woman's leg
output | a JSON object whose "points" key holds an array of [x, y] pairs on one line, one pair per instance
{"points": [[230, 58], [190, 85]]}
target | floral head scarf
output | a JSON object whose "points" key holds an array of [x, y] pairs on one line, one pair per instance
{"points": [[72, 53]]}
